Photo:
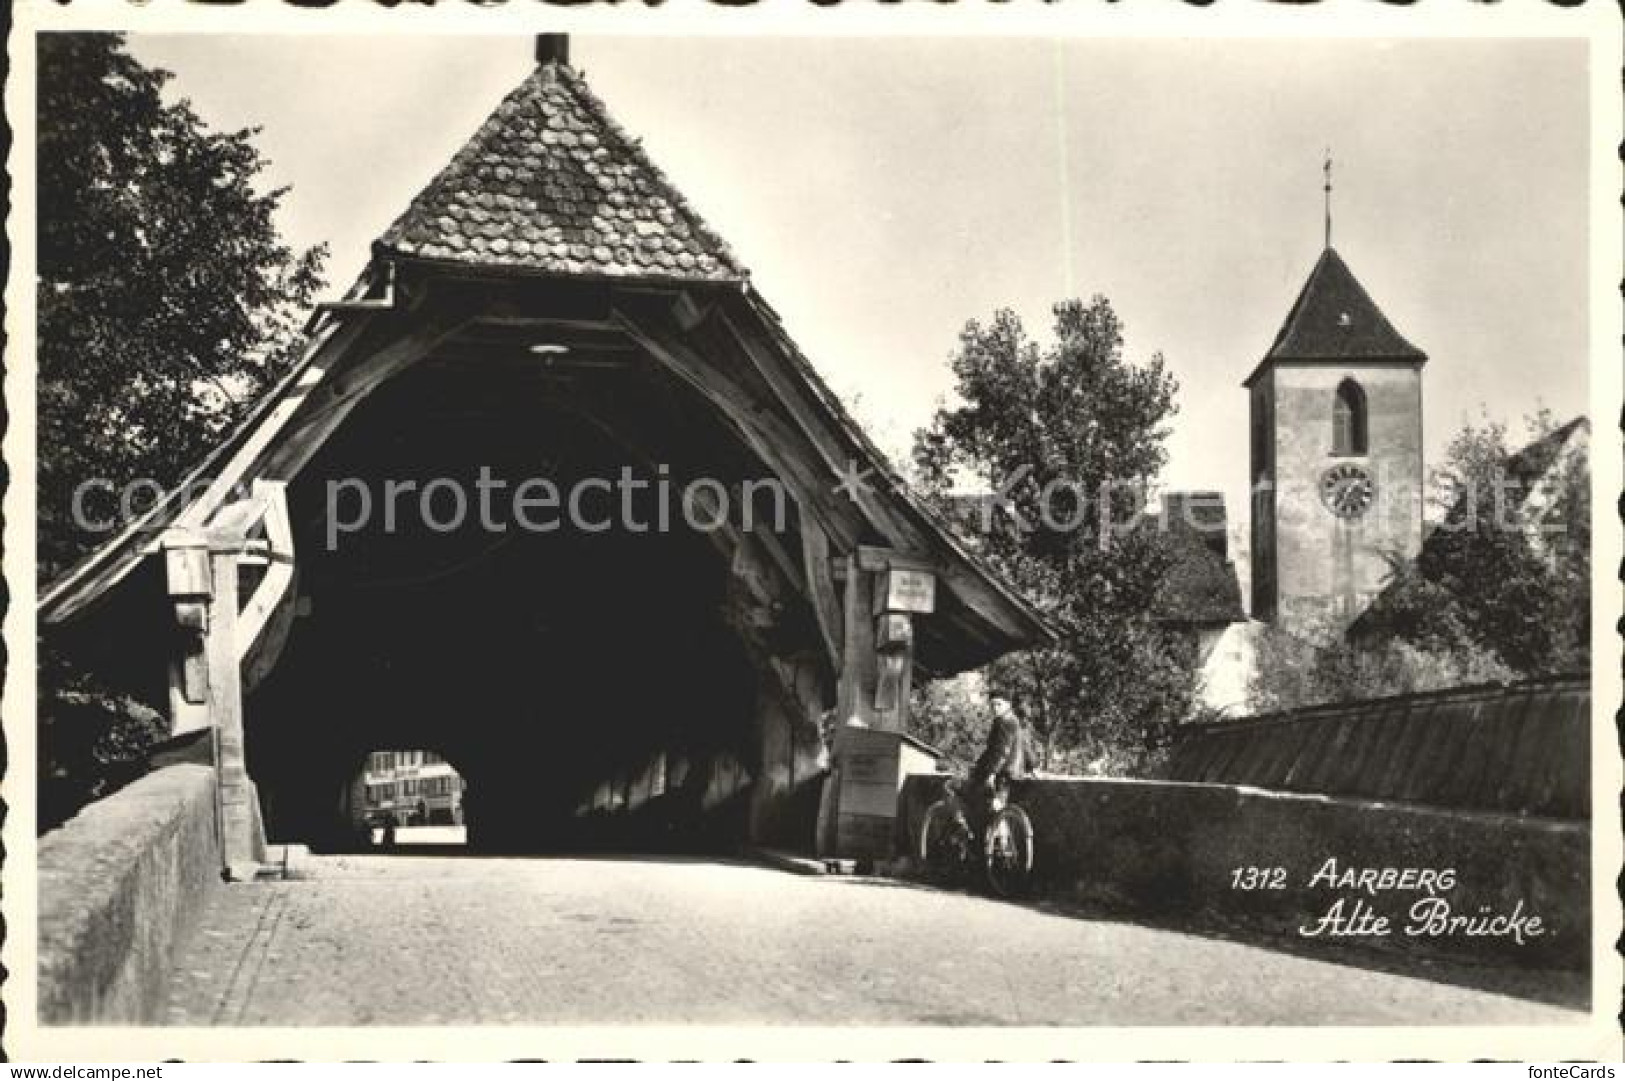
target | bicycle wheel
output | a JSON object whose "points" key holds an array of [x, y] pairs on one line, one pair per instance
{"points": [[945, 842], [1008, 851]]}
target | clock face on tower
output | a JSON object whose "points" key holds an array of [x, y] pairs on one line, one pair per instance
{"points": [[1347, 490]]}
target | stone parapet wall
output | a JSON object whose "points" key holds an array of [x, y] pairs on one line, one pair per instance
{"points": [[1173, 849], [1519, 749], [118, 884]]}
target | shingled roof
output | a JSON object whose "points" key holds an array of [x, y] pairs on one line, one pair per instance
{"points": [[1334, 319], [1529, 466], [550, 183]]}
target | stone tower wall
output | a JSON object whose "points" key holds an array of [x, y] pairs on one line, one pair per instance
{"points": [[1322, 568]]}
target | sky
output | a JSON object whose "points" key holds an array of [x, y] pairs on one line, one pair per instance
{"points": [[883, 191]]}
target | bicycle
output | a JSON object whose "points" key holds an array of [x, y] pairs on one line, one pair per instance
{"points": [[951, 849]]}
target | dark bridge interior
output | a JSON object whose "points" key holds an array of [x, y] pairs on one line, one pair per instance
{"points": [[565, 672]]}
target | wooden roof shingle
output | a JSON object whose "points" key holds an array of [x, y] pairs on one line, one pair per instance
{"points": [[550, 183]]}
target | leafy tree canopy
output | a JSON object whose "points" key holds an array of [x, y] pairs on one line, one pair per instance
{"points": [[165, 289], [1507, 571], [1067, 438], [1308, 668], [166, 303]]}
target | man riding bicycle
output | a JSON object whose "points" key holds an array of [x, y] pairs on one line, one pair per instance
{"points": [[1003, 760], [974, 822]]}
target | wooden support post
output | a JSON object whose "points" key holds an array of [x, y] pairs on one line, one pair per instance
{"points": [[186, 567], [242, 834], [894, 665], [216, 635], [883, 593], [855, 701], [902, 590], [873, 752]]}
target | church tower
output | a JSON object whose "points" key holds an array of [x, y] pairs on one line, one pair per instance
{"points": [[1336, 421]]}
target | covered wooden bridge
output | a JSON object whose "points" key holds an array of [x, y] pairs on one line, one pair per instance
{"points": [[548, 307]]}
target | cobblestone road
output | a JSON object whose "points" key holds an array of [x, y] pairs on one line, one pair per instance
{"points": [[411, 940]]}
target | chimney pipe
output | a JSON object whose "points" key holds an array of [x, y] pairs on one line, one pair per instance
{"points": [[552, 49]]}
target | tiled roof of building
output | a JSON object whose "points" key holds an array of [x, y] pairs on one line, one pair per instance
{"points": [[1334, 318], [1525, 470], [551, 183], [1529, 466]]}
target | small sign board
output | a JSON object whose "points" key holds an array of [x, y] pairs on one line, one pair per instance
{"points": [[909, 591]]}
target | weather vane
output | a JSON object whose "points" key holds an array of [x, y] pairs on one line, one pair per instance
{"points": [[1328, 196]]}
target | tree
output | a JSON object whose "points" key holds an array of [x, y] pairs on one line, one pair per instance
{"points": [[166, 295], [1507, 571], [1293, 670], [166, 304], [1500, 591], [953, 715], [93, 740], [1067, 439]]}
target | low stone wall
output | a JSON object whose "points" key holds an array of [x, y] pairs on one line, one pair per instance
{"points": [[1173, 848], [1523, 749], [117, 884]]}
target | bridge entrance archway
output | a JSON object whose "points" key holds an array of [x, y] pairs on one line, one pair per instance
{"points": [[583, 660]]}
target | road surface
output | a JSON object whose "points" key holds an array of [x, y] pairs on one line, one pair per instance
{"points": [[423, 939]]}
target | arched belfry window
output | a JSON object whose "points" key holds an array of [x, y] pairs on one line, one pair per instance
{"points": [[1348, 419]]}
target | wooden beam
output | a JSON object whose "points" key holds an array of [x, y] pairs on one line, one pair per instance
{"points": [[310, 430], [979, 595], [411, 343], [273, 588], [770, 439], [976, 593], [262, 658], [826, 604], [330, 352], [871, 558], [985, 597], [544, 322], [238, 804], [230, 525], [858, 661], [190, 584], [221, 469], [790, 569], [838, 458], [522, 331]]}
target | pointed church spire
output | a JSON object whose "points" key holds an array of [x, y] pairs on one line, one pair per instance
{"points": [[1335, 319], [1328, 168]]}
